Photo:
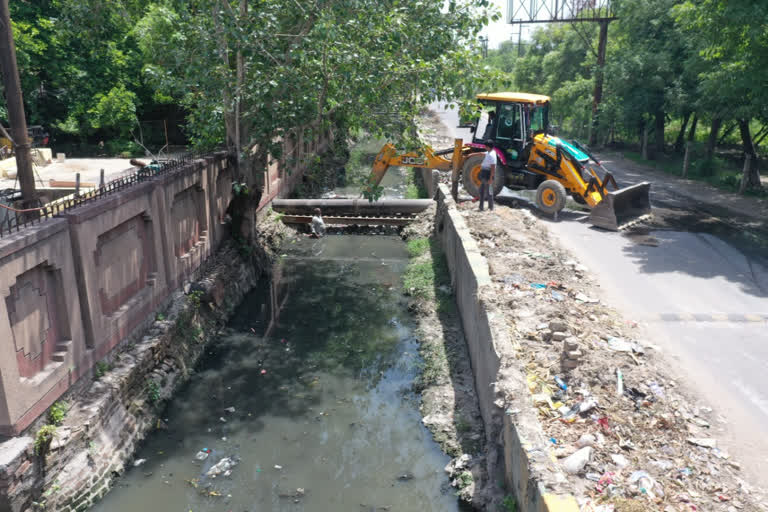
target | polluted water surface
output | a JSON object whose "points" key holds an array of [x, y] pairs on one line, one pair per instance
{"points": [[304, 403]]}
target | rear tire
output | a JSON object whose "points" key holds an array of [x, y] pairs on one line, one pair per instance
{"points": [[470, 175], [550, 197]]}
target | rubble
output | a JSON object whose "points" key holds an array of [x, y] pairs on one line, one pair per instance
{"points": [[626, 435]]}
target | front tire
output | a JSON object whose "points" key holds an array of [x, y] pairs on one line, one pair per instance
{"points": [[470, 175], [550, 197]]}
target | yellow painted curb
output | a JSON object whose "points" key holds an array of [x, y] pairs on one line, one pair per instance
{"points": [[559, 503]]}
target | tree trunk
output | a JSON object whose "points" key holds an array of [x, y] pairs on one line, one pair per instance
{"points": [[687, 159], [751, 173], [644, 146], [692, 132], [712, 141], [659, 129], [15, 104], [681, 134]]}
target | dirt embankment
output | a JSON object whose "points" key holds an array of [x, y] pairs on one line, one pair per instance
{"points": [[626, 435], [449, 404]]}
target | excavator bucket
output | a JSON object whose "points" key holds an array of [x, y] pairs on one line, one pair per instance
{"points": [[623, 207]]}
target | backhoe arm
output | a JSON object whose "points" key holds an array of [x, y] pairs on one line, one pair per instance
{"points": [[388, 157]]}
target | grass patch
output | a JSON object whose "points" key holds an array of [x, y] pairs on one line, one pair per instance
{"points": [[417, 246], [414, 185], [427, 271]]}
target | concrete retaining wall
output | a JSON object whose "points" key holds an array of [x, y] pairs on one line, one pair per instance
{"points": [[511, 421]]}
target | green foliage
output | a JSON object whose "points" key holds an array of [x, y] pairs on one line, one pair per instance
{"points": [[195, 299], [57, 412], [153, 391], [417, 246], [465, 479], [43, 439], [509, 504], [100, 369], [240, 189], [115, 110]]}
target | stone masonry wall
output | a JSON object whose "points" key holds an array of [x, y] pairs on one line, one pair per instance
{"points": [[105, 424]]}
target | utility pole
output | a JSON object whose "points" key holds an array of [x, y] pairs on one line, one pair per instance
{"points": [[15, 102], [597, 96], [571, 11]]}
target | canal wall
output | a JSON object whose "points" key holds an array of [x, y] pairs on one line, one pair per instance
{"points": [[511, 421], [89, 450], [81, 290]]}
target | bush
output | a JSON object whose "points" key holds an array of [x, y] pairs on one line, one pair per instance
{"points": [[57, 412], [43, 439], [123, 148]]}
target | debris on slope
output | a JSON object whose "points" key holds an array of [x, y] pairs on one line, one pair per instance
{"points": [[624, 432]]}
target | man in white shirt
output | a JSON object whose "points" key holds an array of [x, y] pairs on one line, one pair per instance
{"points": [[317, 226], [487, 173]]}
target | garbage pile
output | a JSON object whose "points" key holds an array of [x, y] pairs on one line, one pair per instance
{"points": [[620, 426]]}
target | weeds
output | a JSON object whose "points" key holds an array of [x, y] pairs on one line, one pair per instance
{"points": [[465, 479], [425, 275], [509, 504], [195, 299], [43, 439], [57, 412], [417, 246], [160, 317], [101, 369], [153, 391]]}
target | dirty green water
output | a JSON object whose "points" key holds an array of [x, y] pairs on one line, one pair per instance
{"points": [[318, 365], [358, 168]]}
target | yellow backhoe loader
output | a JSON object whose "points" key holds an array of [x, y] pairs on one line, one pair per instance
{"points": [[529, 158]]}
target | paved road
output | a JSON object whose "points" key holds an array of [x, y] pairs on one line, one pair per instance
{"points": [[701, 297]]}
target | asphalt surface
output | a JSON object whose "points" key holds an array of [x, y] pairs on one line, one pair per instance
{"points": [[698, 291]]}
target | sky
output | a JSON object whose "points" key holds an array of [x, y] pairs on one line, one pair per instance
{"points": [[501, 31]]}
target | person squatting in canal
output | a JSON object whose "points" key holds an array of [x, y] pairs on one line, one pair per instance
{"points": [[317, 226]]}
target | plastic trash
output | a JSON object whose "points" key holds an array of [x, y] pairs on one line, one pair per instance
{"points": [[202, 455], [705, 442], [586, 440], [538, 286], [620, 460], [619, 344], [561, 383], [576, 462], [619, 382], [225, 465], [656, 389], [139, 462], [559, 297], [230, 410]]}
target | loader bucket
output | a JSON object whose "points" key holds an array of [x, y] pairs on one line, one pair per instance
{"points": [[622, 207]]}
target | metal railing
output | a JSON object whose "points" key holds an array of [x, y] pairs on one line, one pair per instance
{"points": [[14, 220]]}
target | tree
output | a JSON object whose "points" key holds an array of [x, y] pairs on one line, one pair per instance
{"points": [[734, 42], [370, 64]]}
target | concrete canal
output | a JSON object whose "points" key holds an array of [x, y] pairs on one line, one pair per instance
{"points": [[308, 392]]}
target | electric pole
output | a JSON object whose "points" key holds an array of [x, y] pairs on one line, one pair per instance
{"points": [[15, 102]]}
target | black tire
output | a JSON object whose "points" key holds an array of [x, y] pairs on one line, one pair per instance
{"points": [[550, 197], [469, 175]]}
